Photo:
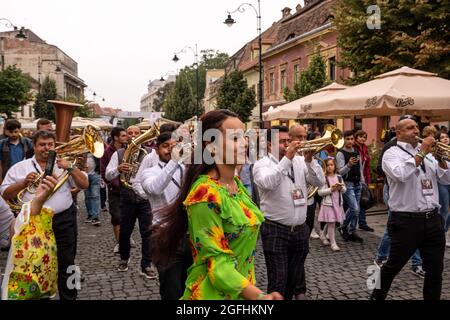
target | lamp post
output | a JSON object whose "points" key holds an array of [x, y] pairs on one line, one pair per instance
{"points": [[166, 74], [51, 61], [195, 52], [229, 21], [20, 35]]}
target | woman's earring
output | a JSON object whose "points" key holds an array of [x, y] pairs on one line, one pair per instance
{"points": [[213, 153]]}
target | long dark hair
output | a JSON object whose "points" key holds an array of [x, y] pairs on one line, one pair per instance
{"points": [[173, 224]]}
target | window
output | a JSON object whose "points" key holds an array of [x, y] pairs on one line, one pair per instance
{"points": [[296, 73], [272, 83], [282, 80], [332, 68]]}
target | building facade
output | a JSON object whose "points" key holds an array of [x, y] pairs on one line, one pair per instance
{"points": [[213, 81], [39, 59], [147, 103]]}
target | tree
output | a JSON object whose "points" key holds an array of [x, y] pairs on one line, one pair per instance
{"points": [[43, 109], [158, 103], [235, 95], [85, 110], [180, 103], [311, 79], [14, 90], [410, 33]]}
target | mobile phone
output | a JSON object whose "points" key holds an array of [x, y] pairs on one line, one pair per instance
{"points": [[50, 163]]}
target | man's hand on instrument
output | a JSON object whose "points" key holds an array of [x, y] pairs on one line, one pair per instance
{"points": [[124, 167], [63, 163], [427, 144], [308, 156], [291, 150], [30, 178]]}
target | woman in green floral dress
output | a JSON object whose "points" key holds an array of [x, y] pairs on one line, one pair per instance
{"points": [[222, 222]]}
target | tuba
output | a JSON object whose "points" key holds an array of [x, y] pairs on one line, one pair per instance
{"points": [[135, 153], [333, 136], [73, 150]]}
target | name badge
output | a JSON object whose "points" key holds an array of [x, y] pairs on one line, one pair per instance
{"points": [[427, 187], [298, 197]]}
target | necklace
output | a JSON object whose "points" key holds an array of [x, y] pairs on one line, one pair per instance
{"points": [[231, 188]]}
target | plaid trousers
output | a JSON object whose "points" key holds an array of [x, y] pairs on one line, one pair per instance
{"points": [[285, 250]]}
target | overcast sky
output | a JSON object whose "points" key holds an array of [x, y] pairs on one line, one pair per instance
{"points": [[121, 45]]}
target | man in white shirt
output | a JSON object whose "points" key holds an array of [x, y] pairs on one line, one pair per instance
{"points": [[6, 225], [132, 208], [23, 173], [281, 178], [162, 184], [412, 174]]}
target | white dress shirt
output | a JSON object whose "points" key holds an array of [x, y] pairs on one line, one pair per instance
{"points": [[162, 183], [149, 161], [275, 187], [404, 179], [60, 201]]}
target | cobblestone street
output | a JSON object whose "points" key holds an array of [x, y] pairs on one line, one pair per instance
{"points": [[330, 275]]}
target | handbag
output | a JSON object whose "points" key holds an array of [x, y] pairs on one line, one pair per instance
{"points": [[367, 200], [31, 269]]}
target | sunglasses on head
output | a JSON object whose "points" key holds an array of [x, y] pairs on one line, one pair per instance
{"points": [[408, 116]]}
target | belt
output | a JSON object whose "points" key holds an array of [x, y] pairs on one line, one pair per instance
{"points": [[290, 228], [422, 215]]}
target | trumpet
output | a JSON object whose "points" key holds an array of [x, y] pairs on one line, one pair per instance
{"points": [[333, 136], [440, 151]]}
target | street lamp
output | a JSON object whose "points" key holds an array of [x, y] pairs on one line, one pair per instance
{"points": [[20, 35], [51, 61], [194, 51], [229, 21], [167, 73]]}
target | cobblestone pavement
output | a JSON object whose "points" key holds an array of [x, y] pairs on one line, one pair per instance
{"points": [[330, 275]]}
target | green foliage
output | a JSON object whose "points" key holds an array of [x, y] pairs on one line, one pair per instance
{"points": [[311, 79], [85, 110], [235, 95], [180, 103], [14, 90], [412, 33], [43, 109], [161, 94]]}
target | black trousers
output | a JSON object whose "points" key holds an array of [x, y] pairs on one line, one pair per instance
{"points": [[65, 230], [130, 211], [409, 232], [285, 251], [172, 278]]}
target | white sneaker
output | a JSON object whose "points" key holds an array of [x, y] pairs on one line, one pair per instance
{"points": [[116, 249], [132, 243], [314, 234]]}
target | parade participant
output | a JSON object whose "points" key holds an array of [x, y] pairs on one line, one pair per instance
{"points": [[14, 148], [44, 124], [281, 178], [444, 191], [412, 174], [132, 208], [119, 139], [363, 150], [23, 174], [92, 194], [385, 243], [162, 183], [222, 220], [332, 210], [349, 164]]}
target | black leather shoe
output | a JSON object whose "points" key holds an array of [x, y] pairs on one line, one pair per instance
{"points": [[367, 228], [354, 237]]}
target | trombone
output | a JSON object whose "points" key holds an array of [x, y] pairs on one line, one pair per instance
{"points": [[333, 136]]}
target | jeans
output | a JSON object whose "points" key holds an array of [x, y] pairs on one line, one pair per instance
{"points": [[444, 195], [351, 198], [92, 196], [385, 243], [362, 217]]}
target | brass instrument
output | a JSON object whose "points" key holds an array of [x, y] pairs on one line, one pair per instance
{"points": [[73, 150], [333, 136], [135, 153], [440, 151]]}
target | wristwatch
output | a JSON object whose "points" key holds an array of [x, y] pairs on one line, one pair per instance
{"points": [[70, 168]]}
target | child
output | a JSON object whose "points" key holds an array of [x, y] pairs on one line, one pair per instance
{"points": [[331, 210]]}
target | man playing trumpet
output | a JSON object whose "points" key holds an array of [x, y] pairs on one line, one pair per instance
{"points": [[25, 173]]}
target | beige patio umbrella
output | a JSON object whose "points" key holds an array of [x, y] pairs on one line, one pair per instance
{"points": [[402, 91], [296, 109]]}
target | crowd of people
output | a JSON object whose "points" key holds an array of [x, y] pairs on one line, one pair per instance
{"points": [[199, 222]]}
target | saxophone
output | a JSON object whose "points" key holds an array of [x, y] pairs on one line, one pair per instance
{"points": [[135, 153]]}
